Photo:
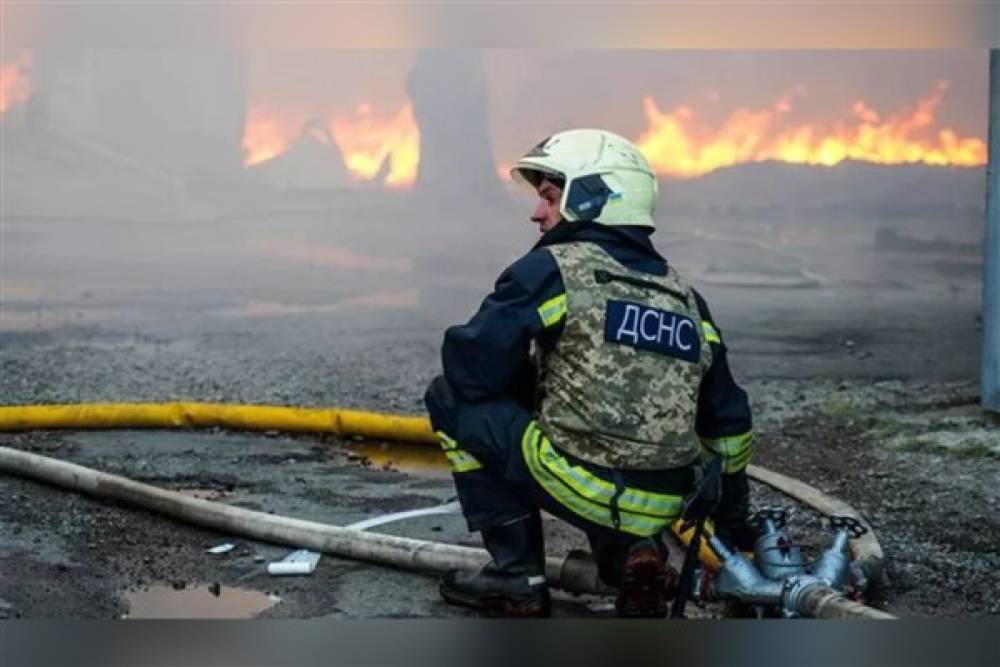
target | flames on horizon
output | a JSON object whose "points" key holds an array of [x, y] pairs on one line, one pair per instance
{"points": [[384, 146], [15, 81], [366, 139], [679, 144]]}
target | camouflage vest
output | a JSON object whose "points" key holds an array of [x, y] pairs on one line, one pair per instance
{"points": [[620, 387]]}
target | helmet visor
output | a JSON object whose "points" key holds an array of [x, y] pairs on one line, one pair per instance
{"points": [[534, 175]]}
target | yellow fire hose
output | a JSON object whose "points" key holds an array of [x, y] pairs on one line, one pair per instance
{"points": [[346, 422], [186, 414]]}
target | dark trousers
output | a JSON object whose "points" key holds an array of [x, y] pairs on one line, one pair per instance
{"points": [[503, 490]]}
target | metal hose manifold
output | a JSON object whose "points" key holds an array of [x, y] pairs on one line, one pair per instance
{"points": [[788, 584]]}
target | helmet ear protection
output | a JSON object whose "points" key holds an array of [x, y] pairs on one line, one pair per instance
{"points": [[586, 197], [607, 179]]}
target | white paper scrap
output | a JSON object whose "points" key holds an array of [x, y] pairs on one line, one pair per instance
{"points": [[221, 548], [302, 561]]}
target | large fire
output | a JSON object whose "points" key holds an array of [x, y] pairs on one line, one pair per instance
{"points": [[266, 135], [366, 139], [15, 84], [677, 143]]}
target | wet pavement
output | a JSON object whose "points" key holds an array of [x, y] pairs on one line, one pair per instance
{"points": [[825, 367], [321, 480]]}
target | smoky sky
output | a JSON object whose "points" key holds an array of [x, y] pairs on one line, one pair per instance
{"points": [[154, 135]]}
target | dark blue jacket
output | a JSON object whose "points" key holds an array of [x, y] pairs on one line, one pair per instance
{"points": [[488, 356]]}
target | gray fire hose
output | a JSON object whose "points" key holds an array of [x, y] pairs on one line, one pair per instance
{"points": [[575, 573]]}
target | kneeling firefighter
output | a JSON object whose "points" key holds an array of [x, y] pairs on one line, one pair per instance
{"points": [[592, 383]]}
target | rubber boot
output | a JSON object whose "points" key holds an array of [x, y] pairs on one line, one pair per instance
{"points": [[732, 524], [610, 552], [648, 584], [736, 532], [514, 583]]}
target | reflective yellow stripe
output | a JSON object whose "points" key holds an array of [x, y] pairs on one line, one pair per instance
{"points": [[729, 465], [730, 445], [447, 442], [462, 461], [711, 333], [736, 464], [641, 512], [553, 310], [601, 491], [735, 450]]}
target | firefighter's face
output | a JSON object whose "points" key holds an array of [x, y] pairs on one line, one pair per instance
{"points": [[546, 214]]}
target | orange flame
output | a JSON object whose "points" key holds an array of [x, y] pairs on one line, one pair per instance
{"points": [[367, 141], [265, 135], [15, 84], [678, 144]]}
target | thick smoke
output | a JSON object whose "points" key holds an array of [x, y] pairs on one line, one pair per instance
{"points": [[128, 166]]}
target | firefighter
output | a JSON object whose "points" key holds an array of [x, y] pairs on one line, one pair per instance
{"points": [[593, 384]]}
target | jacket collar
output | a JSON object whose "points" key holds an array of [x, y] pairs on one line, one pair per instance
{"points": [[633, 236]]}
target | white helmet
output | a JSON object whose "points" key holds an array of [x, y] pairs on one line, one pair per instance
{"points": [[606, 178]]}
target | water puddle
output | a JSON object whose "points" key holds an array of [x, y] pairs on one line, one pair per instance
{"points": [[197, 602], [423, 460]]}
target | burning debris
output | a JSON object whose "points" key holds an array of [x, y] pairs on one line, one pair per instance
{"points": [[367, 140], [312, 162]]}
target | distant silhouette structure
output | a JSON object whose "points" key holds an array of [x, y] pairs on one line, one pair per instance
{"points": [[448, 91]]}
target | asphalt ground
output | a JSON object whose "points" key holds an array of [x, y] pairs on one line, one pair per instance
{"points": [[839, 375]]}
